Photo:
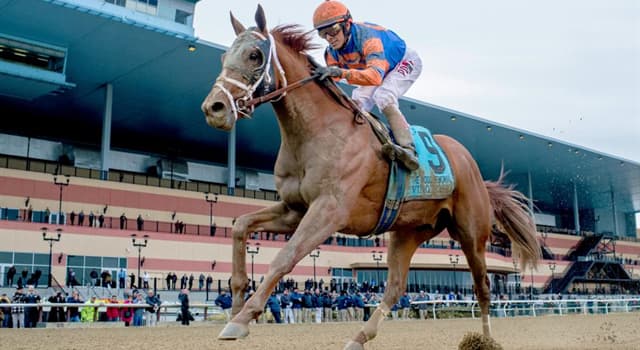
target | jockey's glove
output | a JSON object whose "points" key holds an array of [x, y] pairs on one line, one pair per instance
{"points": [[328, 72]]}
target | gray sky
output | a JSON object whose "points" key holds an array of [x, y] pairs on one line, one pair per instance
{"points": [[568, 70]]}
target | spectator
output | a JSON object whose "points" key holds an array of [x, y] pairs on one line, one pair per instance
{"points": [[10, 274], [72, 217], [296, 299], [35, 277], [154, 309], [17, 312], [145, 280], [200, 281], [113, 312], [95, 281], [23, 280], [358, 303], [132, 280], [224, 302], [89, 313], [317, 304], [31, 313], [308, 308], [184, 306], [168, 280], [57, 314], [91, 218], [327, 306], [73, 314], [122, 277], [71, 278], [105, 276], [138, 312], [126, 313], [191, 281], [47, 214], [343, 306], [274, 306], [174, 279], [209, 282], [81, 218], [286, 304], [405, 304], [140, 222], [101, 220], [123, 222], [29, 213], [5, 312], [422, 307]]}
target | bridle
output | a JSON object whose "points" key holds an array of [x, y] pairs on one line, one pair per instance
{"points": [[261, 80]]}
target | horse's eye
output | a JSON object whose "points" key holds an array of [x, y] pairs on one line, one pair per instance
{"points": [[254, 56]]}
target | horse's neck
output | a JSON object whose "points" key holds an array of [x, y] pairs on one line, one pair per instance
{"points": [[307, 113]]}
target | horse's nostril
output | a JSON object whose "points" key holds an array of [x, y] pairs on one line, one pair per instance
{"points": [[217, 107]]}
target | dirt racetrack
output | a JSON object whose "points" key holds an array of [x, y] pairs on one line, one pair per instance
{"points": [[618, 331]]}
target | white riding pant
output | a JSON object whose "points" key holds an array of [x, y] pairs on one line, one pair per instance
{"points": [[395, 84]]}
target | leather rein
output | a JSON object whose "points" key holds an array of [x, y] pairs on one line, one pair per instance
{"points": [[245, 105]]}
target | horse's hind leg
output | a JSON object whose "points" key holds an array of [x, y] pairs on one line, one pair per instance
{"points": [[401, 249], [473, 234]]}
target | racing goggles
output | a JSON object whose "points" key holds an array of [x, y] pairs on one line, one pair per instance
{"points": [[331, 30]]}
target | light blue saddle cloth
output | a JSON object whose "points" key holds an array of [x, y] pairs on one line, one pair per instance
{"points": [[433, 180]]}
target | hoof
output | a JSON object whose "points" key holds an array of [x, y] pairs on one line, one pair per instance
{"points": [[352, 345], [233, 331]]}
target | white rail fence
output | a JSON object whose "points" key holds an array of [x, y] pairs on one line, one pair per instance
{"points": [[533, 308], [437, 309]]}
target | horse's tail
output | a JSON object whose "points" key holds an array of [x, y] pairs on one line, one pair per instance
{"points": [[513, 214]]}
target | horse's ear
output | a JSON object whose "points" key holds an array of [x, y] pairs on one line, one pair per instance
{"points": [[261, 21], [237, 26]]}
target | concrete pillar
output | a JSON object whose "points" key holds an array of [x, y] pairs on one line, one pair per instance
{"points": [[106, 131], [231, 162], [576, 210]]}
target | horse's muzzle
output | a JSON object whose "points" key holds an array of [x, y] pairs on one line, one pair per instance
{"points": [[217, 114]]}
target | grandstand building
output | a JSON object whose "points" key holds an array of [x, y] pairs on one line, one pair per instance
{"points": [[100, 104]]}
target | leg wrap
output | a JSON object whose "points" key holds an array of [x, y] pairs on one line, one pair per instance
{"points": [[370, 329]]}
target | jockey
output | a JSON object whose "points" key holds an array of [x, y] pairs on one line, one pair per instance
{"points": [[378, 61]]}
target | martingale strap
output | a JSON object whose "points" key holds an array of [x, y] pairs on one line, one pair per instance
{"points": [[393, 200]]}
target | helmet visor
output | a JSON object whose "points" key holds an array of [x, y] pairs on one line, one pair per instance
{"points": [[331, 30]]}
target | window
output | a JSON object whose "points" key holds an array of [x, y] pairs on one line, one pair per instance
{"points": [[32, 54], [24, 258], [41, 259], [6, 257], [147, 6], [122, 3], [109, 262], [74, 260], [182, 17], [83, 265]]}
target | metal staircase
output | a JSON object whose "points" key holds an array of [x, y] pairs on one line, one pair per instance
{"points": [[584, 247]]}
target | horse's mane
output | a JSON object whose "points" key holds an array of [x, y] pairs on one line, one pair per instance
{"points": [[294, 36]]}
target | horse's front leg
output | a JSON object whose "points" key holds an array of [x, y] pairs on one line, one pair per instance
{"points": [[321, 220], [278, 218], [401, 249]]}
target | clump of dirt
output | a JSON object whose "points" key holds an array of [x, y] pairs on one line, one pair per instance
{"points": [[477, 341]]}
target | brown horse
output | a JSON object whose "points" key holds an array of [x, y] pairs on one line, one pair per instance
{"points": [[332, 177]]}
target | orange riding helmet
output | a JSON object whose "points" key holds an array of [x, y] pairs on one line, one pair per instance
{"points": [[329, 13]]}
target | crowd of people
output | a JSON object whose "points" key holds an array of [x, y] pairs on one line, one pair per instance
{"points": [[28, 316], [316, 306]]}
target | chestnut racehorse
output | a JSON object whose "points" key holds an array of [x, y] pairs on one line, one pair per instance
{"points": [[332, 177]]}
